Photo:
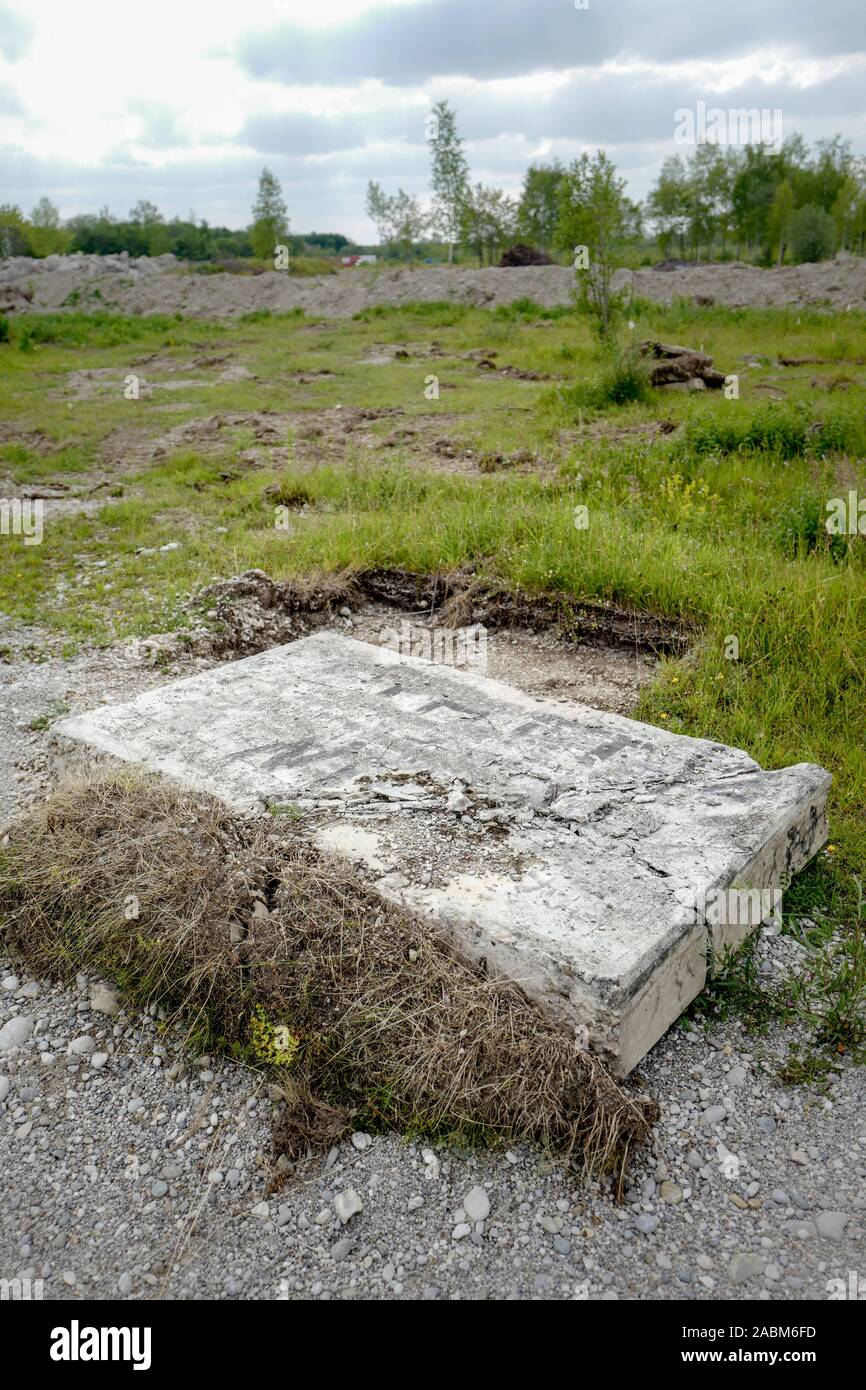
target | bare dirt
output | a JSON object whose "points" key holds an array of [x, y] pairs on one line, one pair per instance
{"points": [[164, 286]]}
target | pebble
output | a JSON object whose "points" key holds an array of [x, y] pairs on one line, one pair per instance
{"points": [[360, 1140], [98, 1060], [831, 1225], [104, 1000], [5, 1088], [745, 1266], [647, 1224], [81, 1046], [713, 1115], [124, 1284], [671, 1193], [347, 1204], [476, 1204], [16, 1032]]}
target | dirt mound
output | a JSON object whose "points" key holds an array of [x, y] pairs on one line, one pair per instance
{"points": [[164, 287], [521, 254]]}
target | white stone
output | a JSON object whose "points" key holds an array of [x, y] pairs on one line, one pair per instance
{"points": [[591, 896], [15, 1032], [104, 1000], [347, 1204], [476, 1204]]}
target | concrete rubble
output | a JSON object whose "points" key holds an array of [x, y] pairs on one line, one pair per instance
{"points": [[590, 858]]}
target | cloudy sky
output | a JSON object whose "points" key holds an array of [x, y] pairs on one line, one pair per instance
{"points": [[183, 101]]}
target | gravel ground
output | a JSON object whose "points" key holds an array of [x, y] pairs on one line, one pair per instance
{"points": [[139, 286], [131, 1169]]}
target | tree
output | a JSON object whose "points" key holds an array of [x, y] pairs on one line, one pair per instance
{"points": [[270, 216], [779, 220], [844, 211], [538, 209], [668, 205], [408, 222], [486, 221], [14, 238], [400, 220], [449, 174], [149, 228], [595, 214], [812, 234], [46, 236], [378, 208]]}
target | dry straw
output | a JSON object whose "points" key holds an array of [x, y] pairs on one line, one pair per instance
{"points": [[259, 945]]}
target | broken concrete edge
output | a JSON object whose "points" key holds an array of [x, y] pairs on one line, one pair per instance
{"points": [[621, 1018]]}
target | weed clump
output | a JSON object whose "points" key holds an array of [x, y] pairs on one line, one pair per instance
{"points": [[624, 379]]}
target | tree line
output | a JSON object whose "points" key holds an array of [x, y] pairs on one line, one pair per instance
{"points": [[769, 204], [145, 232]]}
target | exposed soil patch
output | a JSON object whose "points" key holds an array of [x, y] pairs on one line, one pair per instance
{"points": [[255, 612], [212, 433]]}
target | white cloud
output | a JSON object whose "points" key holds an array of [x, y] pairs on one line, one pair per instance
{"points": [[184, 103]]}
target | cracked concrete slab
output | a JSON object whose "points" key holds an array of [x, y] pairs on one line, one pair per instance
{"points": [[590, 858]]}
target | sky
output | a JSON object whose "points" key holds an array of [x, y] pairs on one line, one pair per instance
{"points": [[184, 101]]}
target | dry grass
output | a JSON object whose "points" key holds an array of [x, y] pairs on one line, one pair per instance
{"points": [[237, 930]]}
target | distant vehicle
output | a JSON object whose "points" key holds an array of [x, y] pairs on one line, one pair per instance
{"points": [[358, 260]]}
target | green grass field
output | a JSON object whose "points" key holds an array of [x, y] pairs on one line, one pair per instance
{"points": [[699, 508]]}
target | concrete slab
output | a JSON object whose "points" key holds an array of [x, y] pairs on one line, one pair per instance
{"points": [[586, 856]]}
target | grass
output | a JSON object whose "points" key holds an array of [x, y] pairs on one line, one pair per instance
{"points": [[700, 508]]}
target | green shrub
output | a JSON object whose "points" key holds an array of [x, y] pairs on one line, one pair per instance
{"points": [[785, 430], [812, 234], [624, 379]]}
